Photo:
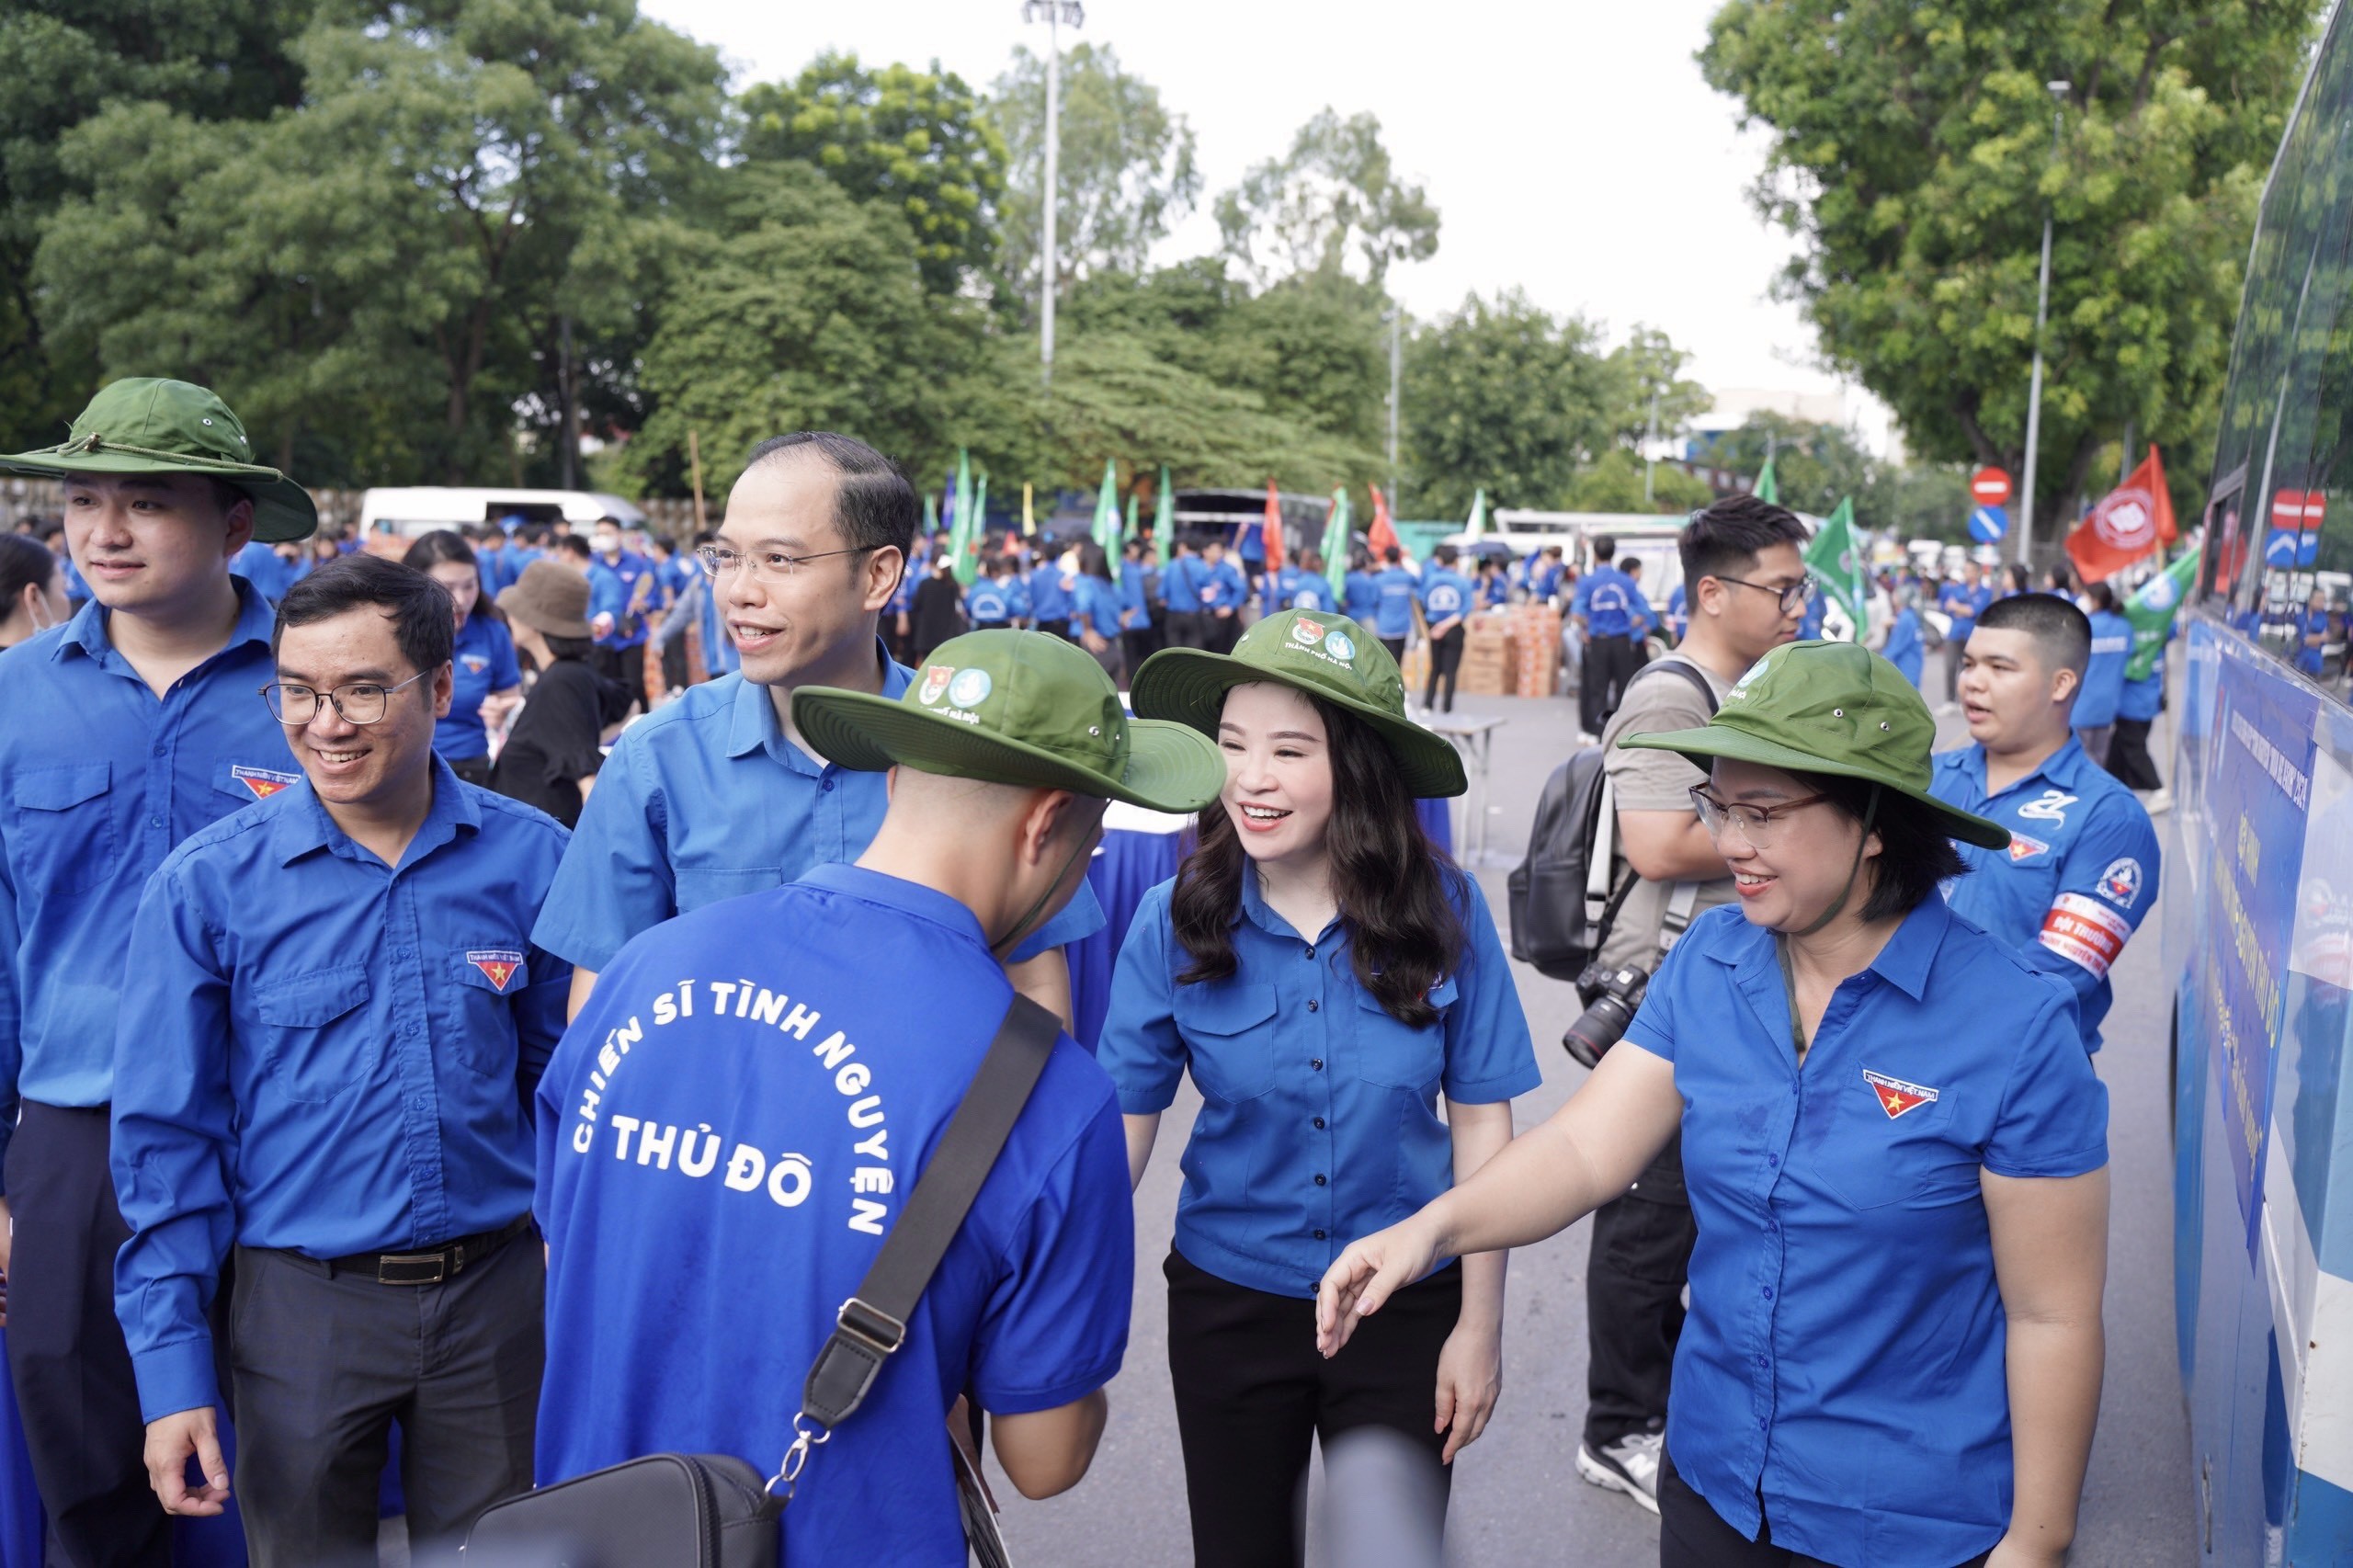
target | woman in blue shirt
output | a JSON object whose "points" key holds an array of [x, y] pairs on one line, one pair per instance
{"points": [[1095, 610], [487, 682], [1325, 974], [1895, 1150], [1905, 649]]}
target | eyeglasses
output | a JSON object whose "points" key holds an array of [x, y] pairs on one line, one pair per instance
{"points": [[359, 701], [1793, 597], [768, 565], [1759, 824]]}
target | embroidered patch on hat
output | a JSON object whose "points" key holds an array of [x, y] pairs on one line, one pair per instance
{"points": [[1897, 1098], [263, 781], [497, 964], [1305, 630], [935, 681], [970, 689], [1340, 646]]}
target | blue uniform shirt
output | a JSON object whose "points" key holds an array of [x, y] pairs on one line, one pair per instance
{"points": [[1095, 606], [482, 662], [1963, 602], [713, 1185], [2142, 698], [1545, 579], [1904, 649], [1393, 615], [1678, 613], [260, 565], [2104, 676], [705, 798], [100, 780], [1294, 587], [2309, 623], [2079, 875], [1360, 598], [986, 603], [323, 1053], [1319, 1123], [613, 589], [1494, 591], [1609, 600], [719, 655], [1225, 587], [1135, 608], [1843, 1360], [1445, 593], [1016, 597], [1048, 600]]}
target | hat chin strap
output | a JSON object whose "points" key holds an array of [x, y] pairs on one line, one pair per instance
{"points": [[1003, 946], [1870, 815]]}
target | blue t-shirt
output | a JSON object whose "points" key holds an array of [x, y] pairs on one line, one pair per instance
{"points": [[1295, 587], [614, 590], [2104, 676], [1320, 1122], [2310, 623], [1610, 602], [1963, 602], [2080, 874], [1050, 599], [1841, 1374], [1226, 587], [1678, 613], [1904, 649], [1445, 593], [1095, 606], [258, 563], [1359, 597], [713, 1184], [1493, 591], [986, 603], [1393, 615], [481, 661]]}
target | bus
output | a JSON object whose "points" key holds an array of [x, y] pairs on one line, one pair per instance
{"points": [[2258, 908]]}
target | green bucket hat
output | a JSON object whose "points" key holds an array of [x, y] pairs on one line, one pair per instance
{"points": [[1326, 657], [148, 425], [1015, 707], [1820, 707]]}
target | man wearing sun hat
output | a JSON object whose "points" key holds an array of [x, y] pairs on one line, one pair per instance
{"points": [[131, 726], [738, 1113]]}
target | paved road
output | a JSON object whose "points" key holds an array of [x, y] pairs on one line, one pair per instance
{"points": [[1517, 1498]]}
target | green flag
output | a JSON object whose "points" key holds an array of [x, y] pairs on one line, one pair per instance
{"points": [[930, 514], [968, 558], [2151, 609], [960, 523], [1335, 542], [1107, 510], [1477, 526], [1126, 536], [1163, 521], [1836, 561], [1767, 488]]}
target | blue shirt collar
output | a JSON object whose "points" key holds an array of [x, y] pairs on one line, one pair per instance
{"points": [[754, 726], [1256, 909], [2061, 768], [1903, 962], [303, 826], [913, 898], [257, 617]]}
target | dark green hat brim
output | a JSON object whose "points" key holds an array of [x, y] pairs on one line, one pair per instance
{"points": [[1188, 686], [1168, 768], [1717, 740], [283, 511]]}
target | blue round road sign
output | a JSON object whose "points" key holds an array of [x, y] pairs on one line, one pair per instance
{"points": [[1987, 524]]}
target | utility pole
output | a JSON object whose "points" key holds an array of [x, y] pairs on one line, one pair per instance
{"points": [[1650, 449], [2041, 312], [1396, 381], [1054, 13], [571, 395]]}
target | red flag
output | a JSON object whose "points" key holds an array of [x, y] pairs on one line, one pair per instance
{"points": [[1273, 529], [1382, 534], [2130, 521]]}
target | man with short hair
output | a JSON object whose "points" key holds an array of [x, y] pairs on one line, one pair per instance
{"points": [[1445, 600], [2103, 692], [1180, 594], [2082, 869], [739, 1117], [714, 794], [1051, 599], [333, 1023], [1224, 594], [1392, 615], [127, 729], [1743, 562], [624, 589], [1603, 607]]}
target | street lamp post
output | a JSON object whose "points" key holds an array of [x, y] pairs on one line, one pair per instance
{"points": [[2042, 311], [1054, 13], [1397, 377]]}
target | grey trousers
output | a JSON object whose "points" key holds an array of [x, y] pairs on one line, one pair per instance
{"points": [[322, 1363]]}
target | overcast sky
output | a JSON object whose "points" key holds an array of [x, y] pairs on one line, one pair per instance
{"points": [[1572, 149]]}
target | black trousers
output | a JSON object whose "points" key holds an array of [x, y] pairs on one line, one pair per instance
{"points": [[1184, 629], [1220, 632], [1396, 646], [673, 665], [1445, 658], [624, 666], [75, 1388], [1633, 1302], [1140, 642], [1693, 1535], [2129, 758], [1251, 1395], [322, 1362], [1609, 664]]}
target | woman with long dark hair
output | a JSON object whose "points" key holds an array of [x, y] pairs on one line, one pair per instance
{"points": [[32, 589], [1095, 610], [488, 681], [1324, 974]]}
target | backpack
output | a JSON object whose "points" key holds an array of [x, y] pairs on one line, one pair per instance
{"points": [[1560, 900]]}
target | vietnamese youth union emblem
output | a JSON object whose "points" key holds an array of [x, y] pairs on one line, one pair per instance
{"points": [[2120, 883], [1895, 1097], [263, 781], [970, 689], [1340, 646], [497, 964], [935, 681], [1304, 630]]}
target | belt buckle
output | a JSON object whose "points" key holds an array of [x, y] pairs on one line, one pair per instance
{"points": [[391, 1269]]}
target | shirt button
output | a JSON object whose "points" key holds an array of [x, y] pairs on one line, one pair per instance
{"points": [[154, 822], [1311, 946], [1774, 1161], [1760, 1361], [1312, 1006], [159, 750], [1768, 1293], [1319, 1123], [1316, 1062], [1319, 1235], [828, 786], [401, 953], [1319, 1181]]}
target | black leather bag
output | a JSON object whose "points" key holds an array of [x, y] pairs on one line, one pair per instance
{"points": [[716, 1511]]}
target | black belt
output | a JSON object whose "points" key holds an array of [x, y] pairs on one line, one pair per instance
{"points": [[434, 1265]]}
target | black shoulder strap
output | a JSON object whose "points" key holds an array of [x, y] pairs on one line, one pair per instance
{"points": [[873, 1323]]}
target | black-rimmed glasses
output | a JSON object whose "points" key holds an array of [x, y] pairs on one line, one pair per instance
{"points": [[1793, 597], [770, 565], [1758, 825], [359, 701]]}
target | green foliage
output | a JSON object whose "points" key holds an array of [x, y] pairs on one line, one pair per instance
{"points": [[1912, 155], [1614, 484], [1818, 466], [916, 139], [1650, 386], [1125, 168], [1505, 396], [1332, 197]]}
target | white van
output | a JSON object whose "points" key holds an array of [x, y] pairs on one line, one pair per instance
{"points": [[409, 511]]}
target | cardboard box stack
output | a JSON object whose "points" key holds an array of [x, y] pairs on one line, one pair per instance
{"points": [[1536, 649], [1487, 659], [1414, 670]]}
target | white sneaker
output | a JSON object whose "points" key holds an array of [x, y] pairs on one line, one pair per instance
{"points": [[1628, 1465], [2157, 801]]}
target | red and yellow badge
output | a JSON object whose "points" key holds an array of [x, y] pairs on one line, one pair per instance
{"points": [[263, 781], [1897, 1098], [497, 964]]}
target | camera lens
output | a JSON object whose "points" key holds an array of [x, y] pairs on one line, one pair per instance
{"points": [[1616, 994]]}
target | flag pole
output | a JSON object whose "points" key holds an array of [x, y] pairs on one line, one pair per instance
{"points": [[693, 460]]}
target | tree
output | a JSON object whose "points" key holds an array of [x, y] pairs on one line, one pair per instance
{"points": [[1615, 482], [1818, 466], [917, 138], [1124, 171], [1331, 198], [1912, 155], [1507, 398], [1652, 393]]}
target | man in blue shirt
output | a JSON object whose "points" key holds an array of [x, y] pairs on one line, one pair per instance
{"points": [[333, 1024], [1223, 593], [1049, 595], [258, 563], [1446, 599], [987, 605], [1359, 598], [1396, 590], [1605, 607], [128, 727], [1184, 588], [1544, 575], [1964, 599], [623, 590], [2311, 635], [1300, 584], [706, 1143], [715, 795], [2095, 717], [2082, 869]]}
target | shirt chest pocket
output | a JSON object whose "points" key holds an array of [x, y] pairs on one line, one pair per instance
{"points": [[488, 980], [1396, 1055], [65, 836], [1229, 1029], [1887, 1145], [311, 1049]]}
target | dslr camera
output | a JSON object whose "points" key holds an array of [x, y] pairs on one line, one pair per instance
{"points": [[1610, 996]]}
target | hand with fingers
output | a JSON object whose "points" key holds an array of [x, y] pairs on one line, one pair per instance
{"points": [[172, 1441], [1470, 1380], [1367, 1275]]}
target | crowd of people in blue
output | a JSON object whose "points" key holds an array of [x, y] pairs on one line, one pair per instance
{"points": [[553, 1127]]}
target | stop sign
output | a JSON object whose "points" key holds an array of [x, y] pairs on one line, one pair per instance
{"points": [[1989, 486]]}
